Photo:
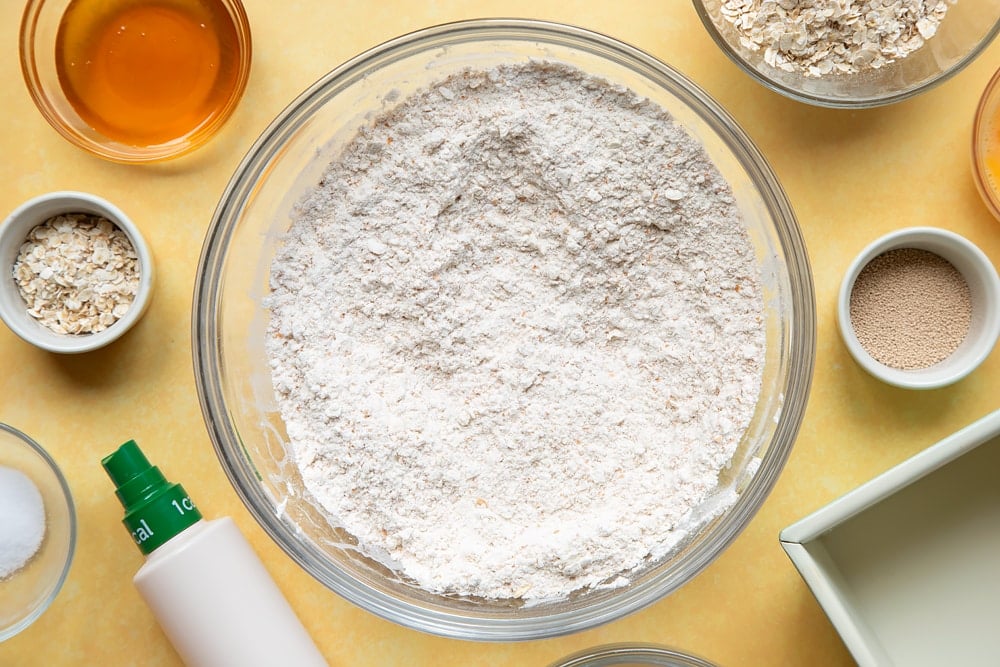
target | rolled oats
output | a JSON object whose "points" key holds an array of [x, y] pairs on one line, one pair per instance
{"points": [[822, 37], [77, 273]]}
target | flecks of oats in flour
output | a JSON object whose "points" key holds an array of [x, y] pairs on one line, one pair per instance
{"points": [[516, 333]]}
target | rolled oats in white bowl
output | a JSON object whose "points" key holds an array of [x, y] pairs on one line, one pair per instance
{"points": [[77, 272]]}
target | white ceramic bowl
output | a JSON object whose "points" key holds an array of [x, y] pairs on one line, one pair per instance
{"points": [[984, 286], [15, 229]]}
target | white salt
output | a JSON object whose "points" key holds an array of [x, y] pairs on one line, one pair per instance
{"points": [[22, 520]]}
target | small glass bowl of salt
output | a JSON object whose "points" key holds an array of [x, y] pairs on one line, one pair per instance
{"points": [[37, 531]]}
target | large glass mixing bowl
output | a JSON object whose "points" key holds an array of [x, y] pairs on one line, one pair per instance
{"points": [[230, 320]]}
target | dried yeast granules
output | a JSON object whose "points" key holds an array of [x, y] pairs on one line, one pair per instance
{"points": [[910, 308]]}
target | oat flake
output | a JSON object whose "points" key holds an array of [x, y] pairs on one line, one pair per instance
{"points": [[516, 333]]}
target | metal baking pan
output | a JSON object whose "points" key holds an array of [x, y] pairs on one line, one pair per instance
{"points": [[907, 566]]}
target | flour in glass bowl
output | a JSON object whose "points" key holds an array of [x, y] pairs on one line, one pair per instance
{"points": [[516, 333]]}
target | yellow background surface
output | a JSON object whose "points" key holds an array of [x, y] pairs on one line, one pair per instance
{"points": [[850, 175]]}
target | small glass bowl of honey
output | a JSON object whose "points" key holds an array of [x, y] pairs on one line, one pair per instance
{"points": [[136, 80], [986, 145]]}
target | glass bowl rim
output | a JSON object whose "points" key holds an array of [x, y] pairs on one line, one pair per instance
{"points": [[207, 354], [990, 94], [636, 652]]}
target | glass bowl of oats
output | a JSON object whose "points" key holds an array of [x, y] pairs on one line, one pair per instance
{"points": [[857, 54], [79, 273], [503, 330]]}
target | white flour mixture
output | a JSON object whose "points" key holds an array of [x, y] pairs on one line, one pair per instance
{"points": [[516, 333]]}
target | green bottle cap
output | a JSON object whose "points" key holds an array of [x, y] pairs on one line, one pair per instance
{"points": [[155, 509]]}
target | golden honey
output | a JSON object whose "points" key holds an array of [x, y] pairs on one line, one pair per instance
{"points": [[146, 72]]}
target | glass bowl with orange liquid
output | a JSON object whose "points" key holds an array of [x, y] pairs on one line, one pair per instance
{"points": [[136, 80], [986, 145]]}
